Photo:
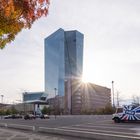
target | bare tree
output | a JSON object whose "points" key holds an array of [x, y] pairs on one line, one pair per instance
{"points": [[118, 98], [136, 100]]}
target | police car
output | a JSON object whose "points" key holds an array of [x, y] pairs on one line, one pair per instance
{"points": [[127, 113]]}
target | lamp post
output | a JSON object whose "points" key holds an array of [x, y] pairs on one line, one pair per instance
{"points": [[55, 89], [2, 101], [113, 93]]}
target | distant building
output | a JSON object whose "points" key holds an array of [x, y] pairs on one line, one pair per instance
{"points": [[24, 108], [90, 97], [3, 106], [33, 101], [56, 105], [34, 96], [98, 96], [63, 71], [63, 63], [85, 98]]}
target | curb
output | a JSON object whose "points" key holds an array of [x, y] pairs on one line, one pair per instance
{"points": [[16, 126], [22, 127]]}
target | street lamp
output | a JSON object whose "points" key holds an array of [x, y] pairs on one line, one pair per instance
{"points": [[113, 93], [55, 89]]}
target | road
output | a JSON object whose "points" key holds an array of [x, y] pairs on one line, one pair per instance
{"points": [[90, 126], [8, 134], [60, 121]]}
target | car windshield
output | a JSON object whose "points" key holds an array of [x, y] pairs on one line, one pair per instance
{"points": [[119, 110]]}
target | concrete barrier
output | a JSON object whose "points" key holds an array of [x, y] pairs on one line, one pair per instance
{"points": [[3, 124], [22, 127]]}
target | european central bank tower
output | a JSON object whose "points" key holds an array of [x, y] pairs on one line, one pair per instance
{"points": [[63, 65]]}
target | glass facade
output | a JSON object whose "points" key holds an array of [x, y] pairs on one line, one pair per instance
{"points": [[73, 54], [32, 96], [54, 63], [63, 61]]}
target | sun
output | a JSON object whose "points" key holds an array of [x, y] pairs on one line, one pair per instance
{"points": [[85, 79]]}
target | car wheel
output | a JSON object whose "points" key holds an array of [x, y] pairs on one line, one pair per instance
{"points": [[116, 120]]}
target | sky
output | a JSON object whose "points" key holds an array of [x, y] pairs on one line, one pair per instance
{"points": [[111, 31]]}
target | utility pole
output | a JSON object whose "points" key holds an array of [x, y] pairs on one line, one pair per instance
{"points": [[113, 93]]}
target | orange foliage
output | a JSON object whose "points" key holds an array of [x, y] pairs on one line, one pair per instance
{"points": [[18, 14]]}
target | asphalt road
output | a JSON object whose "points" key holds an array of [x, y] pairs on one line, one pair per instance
{"points": [[85, 126], [60, 121], [10, 134]]}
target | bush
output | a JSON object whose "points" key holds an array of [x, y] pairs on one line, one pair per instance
{"points": [[46, 110], [108, 109]]}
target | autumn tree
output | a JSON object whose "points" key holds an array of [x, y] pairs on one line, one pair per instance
{"points": [[18, 14]]}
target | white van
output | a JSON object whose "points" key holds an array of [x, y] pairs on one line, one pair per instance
{"points": [[127, 113]]}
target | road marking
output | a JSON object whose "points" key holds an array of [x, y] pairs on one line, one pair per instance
{"points": [[104, 131], [10, 124], [93, 133], [137, 129], [112, 125], [115, 125], [19, 126], [123, 128]]}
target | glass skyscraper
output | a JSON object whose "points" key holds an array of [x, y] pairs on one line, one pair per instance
{"points": [[63, 71], [63, 62]]}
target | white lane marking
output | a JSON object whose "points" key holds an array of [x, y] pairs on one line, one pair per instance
{"points": [[137, 129], [93, 133], [97, 127], [104, 131], [112, 125], [10, 124], [115, 124]]}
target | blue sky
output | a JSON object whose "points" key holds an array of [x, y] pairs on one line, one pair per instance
{"points": [[111, 47]]}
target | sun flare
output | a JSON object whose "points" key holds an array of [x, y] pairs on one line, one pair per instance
{"points": [[85, 79]]}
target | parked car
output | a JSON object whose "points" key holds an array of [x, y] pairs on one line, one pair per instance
{"points": [[127, 113], [29, 117], [44, 116], [7, 117], [16, 116], [13, 116]]}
